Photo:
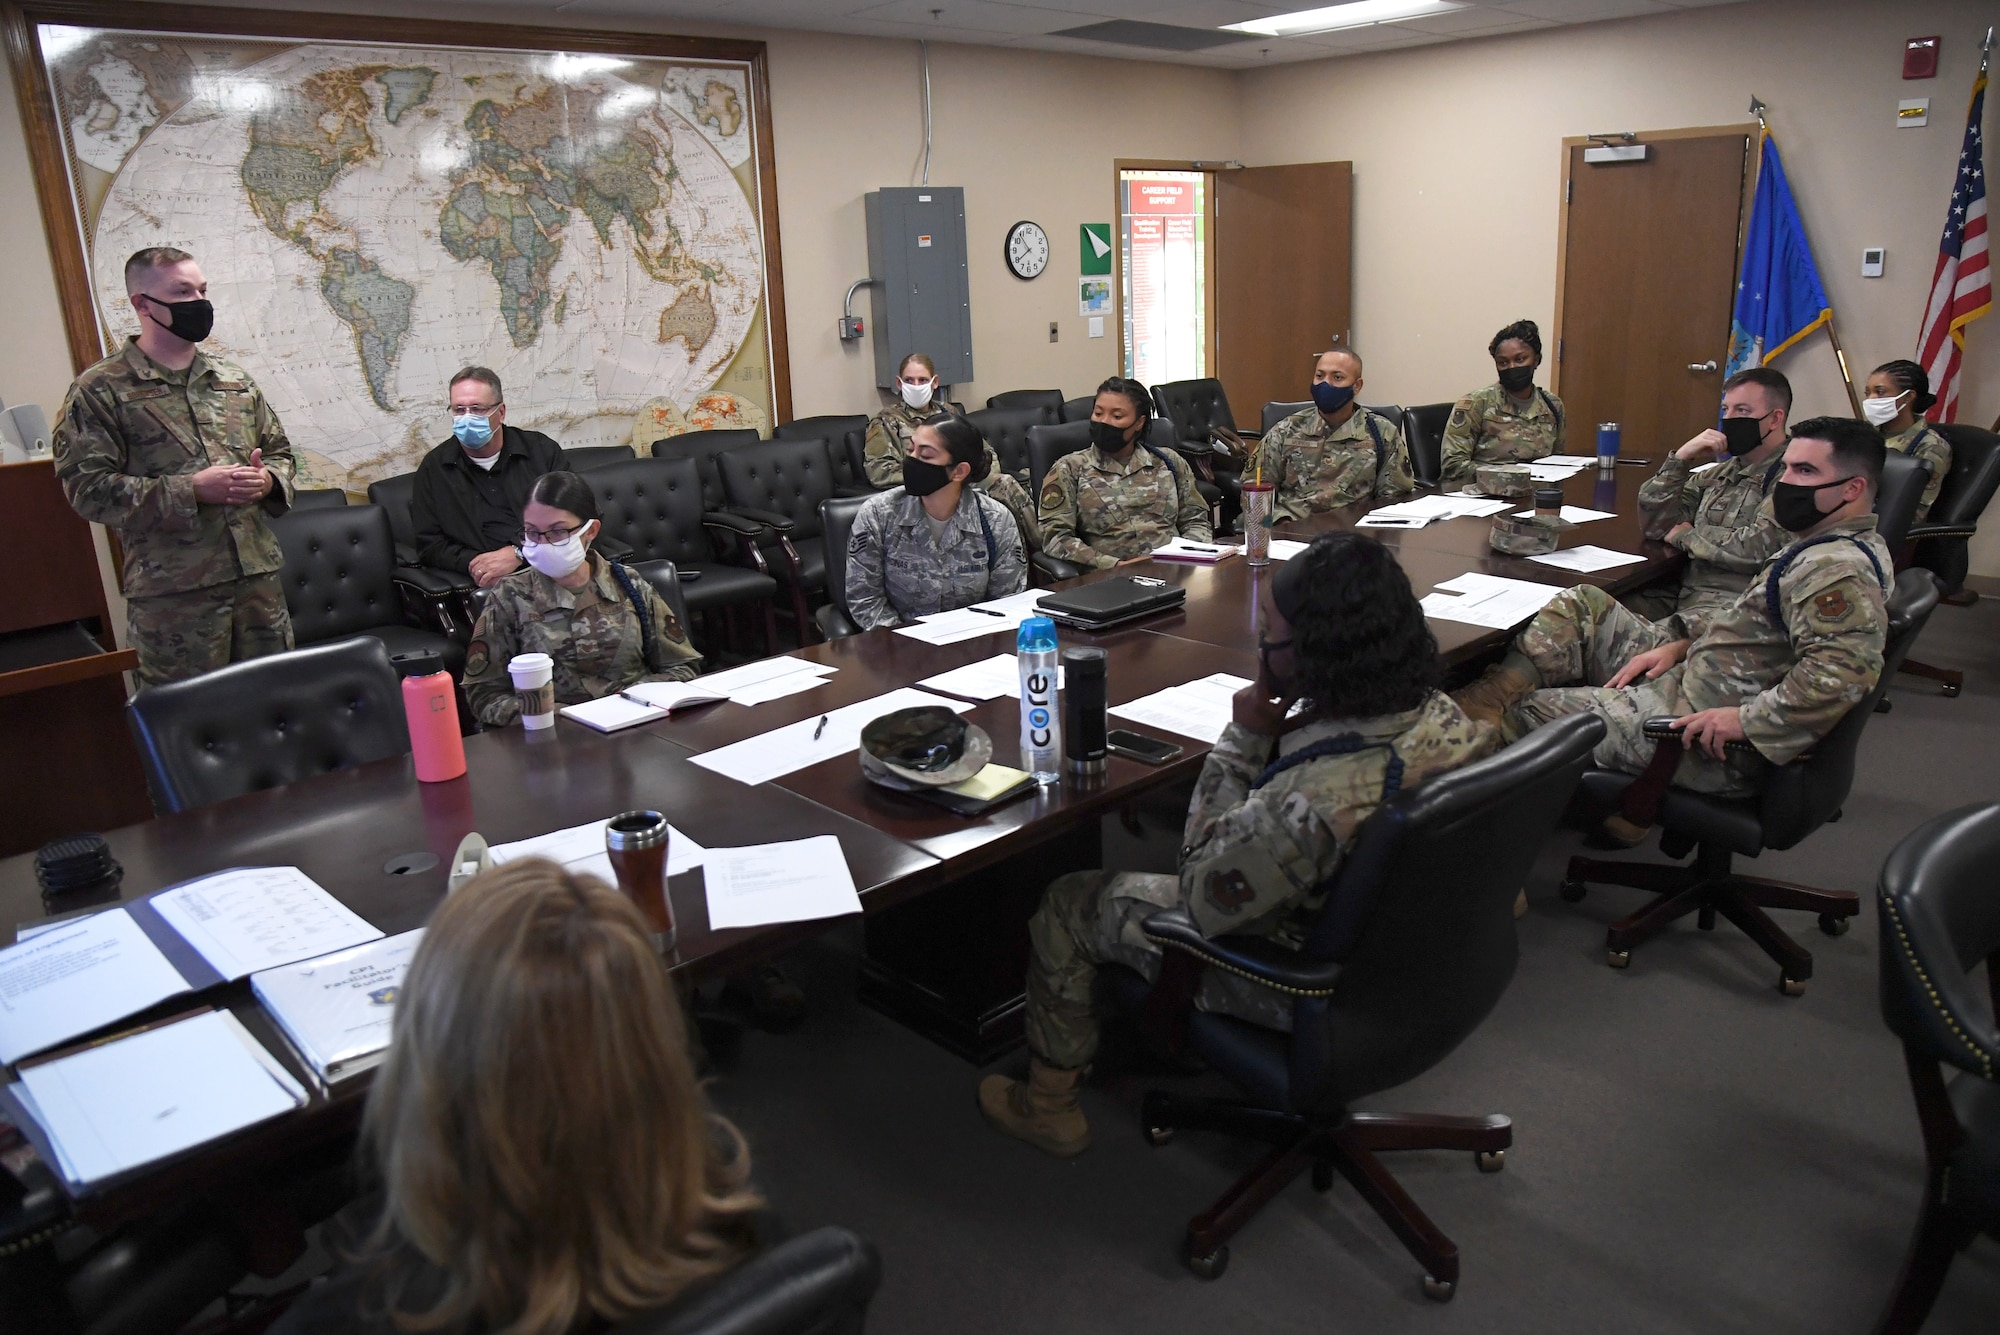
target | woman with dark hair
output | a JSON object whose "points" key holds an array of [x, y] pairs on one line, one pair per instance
{"points": [[1509, 421], [1116, 502], [1899, 394], [1277, 807], [548, 1161], [936, 542], [604, 626], [919, 400]]}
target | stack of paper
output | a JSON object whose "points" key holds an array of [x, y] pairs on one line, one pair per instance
{"points": [[337, 1009], [774, 754], [253, 918], [1586, 558], [1421, 510], [969, 623], [71, 979], [121, 1105], [1559, 467], [757, 683], [1194, 553], [1575, 514], [1284, 549], [581, 850], [988, 679], [798, 881], [1199, 709], [1487, 600]]}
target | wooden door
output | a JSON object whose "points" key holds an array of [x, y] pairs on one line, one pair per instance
{"points": [[1283, 281], [1647, 282]]}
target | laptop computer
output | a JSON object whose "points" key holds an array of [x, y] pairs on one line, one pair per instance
{"points": [[1112, 602]]}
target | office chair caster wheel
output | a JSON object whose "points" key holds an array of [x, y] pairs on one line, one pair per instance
{"points": [[1157, 1136], [1571, 890], [1439, 1290], [1618, 959], [1322, 1177], [1792, 987], [1210, 1266], [1950, 691], [1490, 1161], [1833, 925], [1883, 706]]}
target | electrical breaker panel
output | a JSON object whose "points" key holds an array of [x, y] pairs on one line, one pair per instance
{"points": [[922, 299]]}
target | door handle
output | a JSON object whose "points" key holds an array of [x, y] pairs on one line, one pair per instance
{"points": [[1708, 365]]}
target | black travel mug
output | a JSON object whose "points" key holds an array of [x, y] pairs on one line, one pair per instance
{"points": [[1083, 710]]}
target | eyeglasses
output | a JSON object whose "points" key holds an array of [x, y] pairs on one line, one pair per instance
{"points": [[551, 537], [470, 409]]}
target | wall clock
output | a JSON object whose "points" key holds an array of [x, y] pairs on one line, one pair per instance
{"points": [[1027, 249]]}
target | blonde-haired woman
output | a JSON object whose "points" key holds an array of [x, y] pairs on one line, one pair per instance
{"points": [[918, 401], [549, 1163]]}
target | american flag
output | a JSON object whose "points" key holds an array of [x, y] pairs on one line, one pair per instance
{"points": [[1962, 287]]}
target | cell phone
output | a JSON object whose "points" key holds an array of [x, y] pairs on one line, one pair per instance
{"points": [[1137, 746]]}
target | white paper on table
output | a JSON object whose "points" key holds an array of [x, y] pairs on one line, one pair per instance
{"points": [[777, 688], [1200, 709], [124, 1104], [1020, 605], [1586, 558], [1180, 549], [1575, 514], [1420, 507], [988, 679], [736, 679], [1284, 549], [580, 849], [1558, 468], [671, 695], [73, 978], [797, 881], [1395, 521], [1487, 600], [779, 752], [962, 623], [251, 918]]}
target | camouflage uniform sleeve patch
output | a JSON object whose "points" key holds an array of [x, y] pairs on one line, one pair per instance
{"points": [[1457, 417], [1832, 608], [1228, 891]]}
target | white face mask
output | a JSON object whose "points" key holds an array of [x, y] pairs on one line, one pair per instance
{"points": [[1882, 411], [556, 559], [917, 396]]}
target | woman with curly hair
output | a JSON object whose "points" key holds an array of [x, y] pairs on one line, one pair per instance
{"points": [[1509, 421], [1899, 394], [548, 1161], [1277, 807]]}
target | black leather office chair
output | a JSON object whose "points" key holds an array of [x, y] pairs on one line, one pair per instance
{"points": [[1796, 800], [1006, 430], [1411, 952], [1046, 444], [1194, 407], [1077, 410], [268, 722], [702, 447], [1275, 413], [818, 1283], [836, 517], [780, 483], [341, 579], [318, 498], [1426, 424], [1048, 400], [1939, 918], [845, 436], [440, 588], [1904, 477], [589, 458], [1940, 541]]}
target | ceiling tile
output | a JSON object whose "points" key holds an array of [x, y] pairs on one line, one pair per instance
{"points": [[1466, 22], [973, 16], [1585, 11]]}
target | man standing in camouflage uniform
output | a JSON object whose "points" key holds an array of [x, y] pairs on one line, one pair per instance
{"points": [[936, 542], [1718, 516], [1336, 452], [1800, 646], [888, 441], [1117, 501], [1276, 809], [1509, 421], [181, 456]]}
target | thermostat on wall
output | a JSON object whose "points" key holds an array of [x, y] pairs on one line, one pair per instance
{"points": [[1871, 262]]}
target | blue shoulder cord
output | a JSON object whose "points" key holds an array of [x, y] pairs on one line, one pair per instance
{"points": [[1554, 411], [624, 578], [1375, 434], [1784, 562], [1166, 463], [1344, 745]]}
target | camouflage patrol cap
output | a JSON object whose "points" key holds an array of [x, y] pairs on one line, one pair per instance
{"points": [[1509, 480], [1527, 536], [928, 746]]}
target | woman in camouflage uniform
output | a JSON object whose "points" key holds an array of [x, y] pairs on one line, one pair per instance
{"points": [[605, 627], [1509, 421], [888, 442], [1899, 394]]}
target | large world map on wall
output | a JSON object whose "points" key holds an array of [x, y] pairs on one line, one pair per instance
{"points": [[372, 218]]}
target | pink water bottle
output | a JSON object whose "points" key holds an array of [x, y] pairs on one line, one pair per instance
{"points": [[432, 711]]}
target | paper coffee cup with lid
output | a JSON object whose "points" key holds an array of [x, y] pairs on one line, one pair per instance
{"points": [[534, 680]]}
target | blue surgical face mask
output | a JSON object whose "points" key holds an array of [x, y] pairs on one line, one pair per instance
{"points": [[475, 433], [1331, 398]]}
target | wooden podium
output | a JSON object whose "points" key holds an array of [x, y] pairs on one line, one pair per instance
{"points": [[67, 763]]}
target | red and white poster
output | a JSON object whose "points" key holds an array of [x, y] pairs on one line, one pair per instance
{"points": [[1164, 306]]}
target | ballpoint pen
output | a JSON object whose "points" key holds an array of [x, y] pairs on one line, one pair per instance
{"points": [[986, 611], [821, 728]]}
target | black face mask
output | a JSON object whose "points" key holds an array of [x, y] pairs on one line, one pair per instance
{"points": [[1517, 378], [1107, 437], [920, 478], [192, 320], [1744, 434], [1796, 506]]}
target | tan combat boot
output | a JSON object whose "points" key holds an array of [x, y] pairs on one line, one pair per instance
{"points": [[1505, 685], [1040, 1110]]}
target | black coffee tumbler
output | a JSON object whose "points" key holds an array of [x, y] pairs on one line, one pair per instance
{"points": [[1083, 710]]}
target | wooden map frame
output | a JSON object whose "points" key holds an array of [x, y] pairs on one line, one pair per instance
{"points": [[39, 119]]}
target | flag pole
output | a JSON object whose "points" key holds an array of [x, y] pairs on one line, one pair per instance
{"points": [[1840, 355]]}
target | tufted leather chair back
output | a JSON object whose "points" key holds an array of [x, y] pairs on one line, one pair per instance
{"points": [[818, 1283], [1193, 406], [318, 498], [393, 495], [592, 457], [1275, 413], [836, 528], [1046, 444], [845, 436], [1006, 430], [1424, 429], [1940, 917], [1077, 410], [268, 722], [1904, 477], [702, 447], [339, 571], [1047, 400], [654, 506], [784, 477], [1967, 491]]}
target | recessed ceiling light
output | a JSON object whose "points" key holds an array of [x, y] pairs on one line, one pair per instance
{"points": [[1355, 14]]}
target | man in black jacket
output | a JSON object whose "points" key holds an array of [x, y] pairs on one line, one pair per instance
{"points": [[466, 505]]}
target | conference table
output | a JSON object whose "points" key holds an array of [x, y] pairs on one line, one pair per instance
{"points": [[945, 898]]}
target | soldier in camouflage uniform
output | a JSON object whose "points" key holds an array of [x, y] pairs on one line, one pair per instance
{"points": [[936, 542], [1118, 500], [1719, 516], [604, 632], [1510, 421], [888, 441], [1899, 394], [181, 456], [1336, 452], [1800, 646], [1275, 811]]}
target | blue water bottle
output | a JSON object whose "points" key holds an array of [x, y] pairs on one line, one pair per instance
{"points": [[1041, 730]]}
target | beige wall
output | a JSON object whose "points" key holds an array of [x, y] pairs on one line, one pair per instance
{"points": [[1458, 166]]}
